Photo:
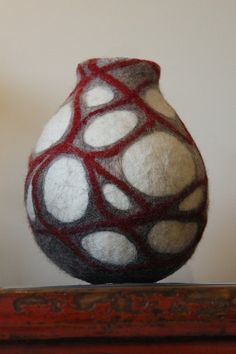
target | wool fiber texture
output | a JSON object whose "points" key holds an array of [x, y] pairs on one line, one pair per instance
{"points": [[116, 189]]}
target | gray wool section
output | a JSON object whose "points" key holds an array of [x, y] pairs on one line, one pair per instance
{"points": [[99, 273], [134, 75]]}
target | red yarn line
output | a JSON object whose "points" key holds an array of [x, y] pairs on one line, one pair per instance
{"points": [[124, 100], [138, 100], [121, 185]]}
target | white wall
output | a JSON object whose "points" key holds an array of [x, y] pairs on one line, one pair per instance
{"points": [[41, 43]]}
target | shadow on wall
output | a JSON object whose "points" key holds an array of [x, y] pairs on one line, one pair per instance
{"points": [[20, 123], [183, 275]]}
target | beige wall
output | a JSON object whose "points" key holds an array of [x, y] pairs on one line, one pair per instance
{"points": [[41, 43]]}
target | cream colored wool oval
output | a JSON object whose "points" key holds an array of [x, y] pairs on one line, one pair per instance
{"points": [[171, 236], [98, 95], [66, 189], [192, 201], [55, 128], [154, 98], [29, 204], [158, 164], [116, 197], [110, 247], [110, 127]]}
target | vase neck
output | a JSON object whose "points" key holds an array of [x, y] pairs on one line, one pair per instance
{"points": [[130, 71]]}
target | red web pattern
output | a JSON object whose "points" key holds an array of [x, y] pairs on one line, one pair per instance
{"points": [[147, 212]]}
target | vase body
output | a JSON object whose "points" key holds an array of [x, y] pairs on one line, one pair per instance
{"points": [[116, 189]]}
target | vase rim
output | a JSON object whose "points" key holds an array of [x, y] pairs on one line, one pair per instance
{"points": [[117, 62]]}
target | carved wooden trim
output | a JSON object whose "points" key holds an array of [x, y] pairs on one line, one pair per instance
{"points": [[137, 311]]}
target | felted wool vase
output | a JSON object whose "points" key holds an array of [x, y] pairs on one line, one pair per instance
{"points": [[116, 189]]}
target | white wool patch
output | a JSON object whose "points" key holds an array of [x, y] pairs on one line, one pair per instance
{"points": [[55, 128], [66, 189], [110, 247], [171, 236], [98, 95], [158, 164], [154, 98], [110, 127], [116, 197], [29, 204], [193, 200]]}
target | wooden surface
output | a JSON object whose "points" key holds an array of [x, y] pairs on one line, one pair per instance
{"points": [[193, 347], [119, 319]]}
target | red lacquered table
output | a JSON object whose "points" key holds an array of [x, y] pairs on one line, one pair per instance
{"points": [[119, 319]]}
